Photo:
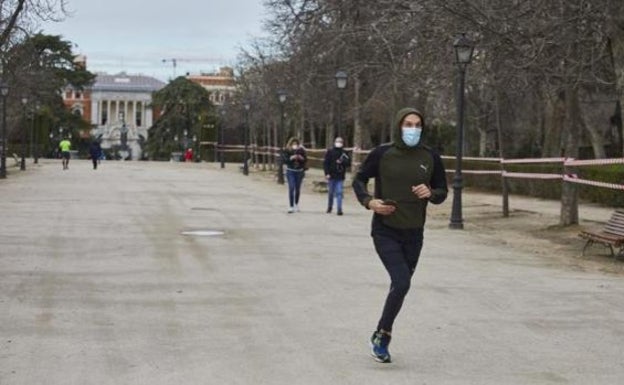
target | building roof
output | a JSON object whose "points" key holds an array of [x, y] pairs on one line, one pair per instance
{"points": [[127, 83]]}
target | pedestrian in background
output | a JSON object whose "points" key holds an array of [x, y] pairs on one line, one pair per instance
{"points": [[408, 175], [65, 147], [335, 165], [188, 155], [95, 150], [295, 158]]}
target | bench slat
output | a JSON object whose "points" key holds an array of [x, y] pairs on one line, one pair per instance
{"points": [[612, 233], [606, 236]]}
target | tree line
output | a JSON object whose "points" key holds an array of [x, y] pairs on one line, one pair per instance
{"points": [[546, 79]]}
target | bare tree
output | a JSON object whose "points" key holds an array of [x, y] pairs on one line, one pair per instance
{"points": [[19, 17]]}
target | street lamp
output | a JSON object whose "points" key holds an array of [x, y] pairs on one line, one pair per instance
{"points": [[222, 136], [463, 56], [247, 106], [35, 132], [341, 83], [23, 161], [281, 94], [4, 91]]}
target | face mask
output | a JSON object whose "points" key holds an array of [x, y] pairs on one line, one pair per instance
{"points": [[338, 144], [411, 135]]}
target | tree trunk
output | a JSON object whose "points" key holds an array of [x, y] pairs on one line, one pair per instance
{"points": [[483, 141], [569, 191], [501, 151], [313, 141], [357, 125], [554, 111], [597, 139], [301, 133], [616, 32]]}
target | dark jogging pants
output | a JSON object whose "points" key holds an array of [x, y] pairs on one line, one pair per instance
{"points": [[399, 251]]}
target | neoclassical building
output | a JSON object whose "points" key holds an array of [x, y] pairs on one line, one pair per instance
{"points": [[118, 108], [121, 112]]}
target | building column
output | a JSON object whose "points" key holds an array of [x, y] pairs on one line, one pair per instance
{"points": [[109, 110], [133, 113], [149, 117], [144, 114], [94, 112]]}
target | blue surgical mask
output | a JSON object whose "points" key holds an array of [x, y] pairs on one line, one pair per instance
{"points": [[411, 135]]}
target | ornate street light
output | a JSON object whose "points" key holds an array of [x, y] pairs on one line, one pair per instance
{"points": [[247, 106], [35, 131], [222, 136], [4, 92], [23, 160], [281, 95], [463, 56], [341, 83]]}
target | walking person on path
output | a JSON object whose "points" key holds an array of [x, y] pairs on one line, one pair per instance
{"points": [[335, 165], [95, 150], [65, 147], [408, 175], [295, 158]]}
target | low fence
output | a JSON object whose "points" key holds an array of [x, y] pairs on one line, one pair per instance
{"points": [[504, 175]]}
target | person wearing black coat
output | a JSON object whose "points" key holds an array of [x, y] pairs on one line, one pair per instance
{"points": [[335, 165], [95, 150]]}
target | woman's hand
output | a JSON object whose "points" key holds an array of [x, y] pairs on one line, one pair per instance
{"points": [[378, 206]]}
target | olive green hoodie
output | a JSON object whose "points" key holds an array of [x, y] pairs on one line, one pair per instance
{"points": [[398, 167]]}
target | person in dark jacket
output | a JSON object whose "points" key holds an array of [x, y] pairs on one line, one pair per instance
{"points": [[95, 150], [335, 165], [295, 158], [408, 176]]}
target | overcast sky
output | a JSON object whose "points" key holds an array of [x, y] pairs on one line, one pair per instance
{"points": [[135, 36]]}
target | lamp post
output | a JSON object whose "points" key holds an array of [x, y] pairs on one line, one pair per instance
{"points": [[247, 106], [210, 127], [222, 136], [23, 161], [463, 55], [51, 144], [341, 83], [35, 131], [281, 94], [4, 91]]}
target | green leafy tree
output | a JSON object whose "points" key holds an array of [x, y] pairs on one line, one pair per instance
{"points": [[185, 106], [37, 69]]}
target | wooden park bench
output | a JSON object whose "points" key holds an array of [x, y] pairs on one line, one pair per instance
{"points": [[611, 235], [319, 186]]}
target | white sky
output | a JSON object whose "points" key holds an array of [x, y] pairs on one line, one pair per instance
{"points": [[136, 35]]}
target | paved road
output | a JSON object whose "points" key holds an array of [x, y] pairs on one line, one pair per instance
{"points": [[98, 286]]}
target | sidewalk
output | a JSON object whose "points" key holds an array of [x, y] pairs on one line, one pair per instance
{"points": [[99, 285]]}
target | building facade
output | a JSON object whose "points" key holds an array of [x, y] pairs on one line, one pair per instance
{"points": [[119, 110], [221, 85]]}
